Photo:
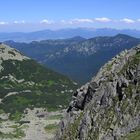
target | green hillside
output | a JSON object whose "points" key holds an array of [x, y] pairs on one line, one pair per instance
{"points": [[27, 84]]}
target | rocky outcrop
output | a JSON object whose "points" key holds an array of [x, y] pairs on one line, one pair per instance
{"points": [[7, 53], [108, 107]]}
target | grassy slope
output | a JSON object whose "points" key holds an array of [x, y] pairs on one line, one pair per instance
{"points": [[45, 87]]}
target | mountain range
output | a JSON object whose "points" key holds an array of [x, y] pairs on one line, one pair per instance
{"points": [[77, 57], [65, 33]]}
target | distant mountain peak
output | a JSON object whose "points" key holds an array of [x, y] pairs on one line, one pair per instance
{"points": [[122, 36], [77, 38]]}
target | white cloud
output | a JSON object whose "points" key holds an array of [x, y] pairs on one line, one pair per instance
{"points": [[3, 23], [63, 21], [128, 20], [45, 21], [19, 22], [73, 22], [77, 21], [83, 20], [103, 19]]}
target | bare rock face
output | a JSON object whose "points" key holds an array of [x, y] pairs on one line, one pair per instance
{"points": [[108, 107]]}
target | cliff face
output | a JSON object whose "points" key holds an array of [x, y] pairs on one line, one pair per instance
{"points": [[108, 107]]}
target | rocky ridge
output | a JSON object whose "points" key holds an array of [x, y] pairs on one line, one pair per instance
{"points": [[108, 107]]}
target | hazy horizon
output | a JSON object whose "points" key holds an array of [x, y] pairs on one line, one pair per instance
{"points": [[70, 28]]}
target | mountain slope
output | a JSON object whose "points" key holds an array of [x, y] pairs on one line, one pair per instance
{"points": [[27, 84], [69, 55], [108, 107]]}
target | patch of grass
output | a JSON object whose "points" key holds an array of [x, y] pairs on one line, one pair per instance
{"points": [[109, 66], [19, 133], [132, 136], [51, 127], [57, 117], [16, 116], [50, 83], [1, 111], [13, 126]]}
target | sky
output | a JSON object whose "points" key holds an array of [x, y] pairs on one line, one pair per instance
{"points": [[33, 15]]}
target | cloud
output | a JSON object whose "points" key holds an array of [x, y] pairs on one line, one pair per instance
{"points": [[73, 22], [19, 22], [63, 21], [3, 23], [45, 21], [128, 20], [77, 21], [103, 19], [83, 20]]}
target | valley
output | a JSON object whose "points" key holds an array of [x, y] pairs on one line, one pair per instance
{"points": [[67, 56]]}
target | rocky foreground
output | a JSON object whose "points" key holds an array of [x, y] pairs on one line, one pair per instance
{"points": [[36, 124], [108, 107]]}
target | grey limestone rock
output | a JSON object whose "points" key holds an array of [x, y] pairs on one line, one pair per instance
{"points": [[108, 107]]}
